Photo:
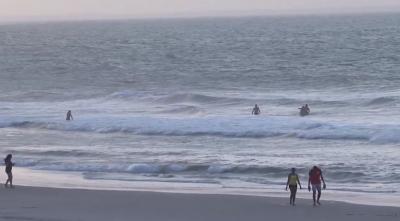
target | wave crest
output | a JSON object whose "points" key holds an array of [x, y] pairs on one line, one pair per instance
{"points": [[381, 101], [240, 127]]}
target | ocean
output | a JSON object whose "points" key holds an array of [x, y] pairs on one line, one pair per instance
{"points": [[170, 100]]}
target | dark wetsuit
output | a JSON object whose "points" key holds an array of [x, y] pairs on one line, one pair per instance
{"points": [[69, 116], [256, 111], [9, 165]]}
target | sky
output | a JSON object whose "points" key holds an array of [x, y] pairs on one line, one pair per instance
{"points": [[98, 9]]}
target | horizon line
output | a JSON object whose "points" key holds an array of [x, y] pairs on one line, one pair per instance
{"points": [[220, 14]]}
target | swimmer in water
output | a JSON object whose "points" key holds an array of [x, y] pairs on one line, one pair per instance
{"points": [[256, 110], [304, 110], [69, 115]]}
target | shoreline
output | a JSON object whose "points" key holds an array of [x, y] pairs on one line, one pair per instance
{"points": [[28, 178], [40, 203]]}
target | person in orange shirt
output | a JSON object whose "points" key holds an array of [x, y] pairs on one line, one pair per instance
{"points": [[314, 183]]}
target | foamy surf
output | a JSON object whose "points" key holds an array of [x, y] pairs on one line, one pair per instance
{"points": [[240, 127]]}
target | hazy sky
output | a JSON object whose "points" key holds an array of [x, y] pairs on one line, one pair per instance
{"points": [[75, 9]]}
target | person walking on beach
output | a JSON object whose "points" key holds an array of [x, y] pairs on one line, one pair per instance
{"points": [[256, 110], [9, 166], [292, 181], [69, 115], [315, 178]]}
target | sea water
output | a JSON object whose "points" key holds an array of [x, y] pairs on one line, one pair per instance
{"points": [[170, 100]]}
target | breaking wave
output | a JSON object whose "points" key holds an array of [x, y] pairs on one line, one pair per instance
{"points": [[235, 127], [176, 168], [381, 101], [203, 99]]}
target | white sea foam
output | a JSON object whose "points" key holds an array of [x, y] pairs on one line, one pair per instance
{"points": [[241, 127]]}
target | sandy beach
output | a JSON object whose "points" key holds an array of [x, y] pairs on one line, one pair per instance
{"points": [[36, 203], [152, 119]]}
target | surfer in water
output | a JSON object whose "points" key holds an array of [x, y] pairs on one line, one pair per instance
{"points": [[304, 110], [256, 110], [69, 115], [292, 181], [307, 108]]}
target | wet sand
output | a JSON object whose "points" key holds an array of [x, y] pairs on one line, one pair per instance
{"points": [[37, 203]]}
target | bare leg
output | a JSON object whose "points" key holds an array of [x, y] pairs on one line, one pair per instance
{"points": [[313, 195], [291, 198], [294, 199], [9, 180], [294, 196], [293, 191], [319, 196]]}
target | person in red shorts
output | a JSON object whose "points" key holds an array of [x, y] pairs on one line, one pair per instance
{"points": [[314, 182]]}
